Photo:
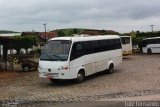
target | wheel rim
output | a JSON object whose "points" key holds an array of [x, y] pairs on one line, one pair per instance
{"points": [[26, 68], [80, 77], [111, 69], [149, 51]]}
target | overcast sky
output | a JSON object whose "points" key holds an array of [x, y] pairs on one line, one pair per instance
{"points": [[118, 15]]}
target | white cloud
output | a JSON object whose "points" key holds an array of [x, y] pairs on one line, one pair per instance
{"points": [[120, 15]]}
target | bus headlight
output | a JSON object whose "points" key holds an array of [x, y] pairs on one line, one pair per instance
{"points": [[63, 68]]}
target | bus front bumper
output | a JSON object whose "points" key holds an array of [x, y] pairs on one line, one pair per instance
{"points": [[67, 74]]}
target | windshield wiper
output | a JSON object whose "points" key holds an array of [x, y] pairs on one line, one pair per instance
{"points": [[51, 57], [56, 55], [48, 56]]}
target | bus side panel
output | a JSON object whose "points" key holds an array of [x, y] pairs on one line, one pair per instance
{"points": [[96, 62], [144, 49], [100, 61], [155, 48], [115, 56], [84, 62], [127, 49]]}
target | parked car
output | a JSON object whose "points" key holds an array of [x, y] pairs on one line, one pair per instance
{"points": [[28, 65]]}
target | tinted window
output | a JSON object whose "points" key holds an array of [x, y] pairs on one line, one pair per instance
{"points": [[87, 47], [111, 44], [125, 40], [118, 44], [77, 50], [95, 46], [103, 45], [150, 41], [157, 41], [143, 43], [56, 50]]}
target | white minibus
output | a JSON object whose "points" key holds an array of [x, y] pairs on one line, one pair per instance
{"points": [[151, 45], [78, 57], [126, 45]]}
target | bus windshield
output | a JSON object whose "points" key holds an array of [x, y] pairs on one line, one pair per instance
{"points": [[56, 50], [125, 40]]}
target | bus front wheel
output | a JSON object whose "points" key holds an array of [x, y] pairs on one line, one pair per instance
{"points": [[149, 51], [80, 76]]}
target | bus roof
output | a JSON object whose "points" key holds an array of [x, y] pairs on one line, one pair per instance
{"points": [[125, 36], [84, 38], [151, 38]]}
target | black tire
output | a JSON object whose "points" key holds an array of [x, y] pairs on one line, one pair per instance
{"points": [[111, 69], [26, 68], [80, 77], [54, 80], [149, 51]]}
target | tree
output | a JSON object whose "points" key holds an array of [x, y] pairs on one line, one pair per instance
{"points": [[61, 33], [70, 33], [76, 31], [25, 42], [103, 32]]}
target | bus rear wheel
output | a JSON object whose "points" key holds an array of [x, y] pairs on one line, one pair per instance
{"points": [[111, 69]]}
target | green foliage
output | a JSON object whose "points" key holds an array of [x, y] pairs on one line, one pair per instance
{"points": [[76, 31], [103, 32], [148, 34], [69, 32], [61, 33], [138, 41], [24, 42], [6, 31], [73, 31], [137, 37]]}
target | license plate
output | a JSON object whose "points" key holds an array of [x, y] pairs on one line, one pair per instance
{"points": [[50, 77]]}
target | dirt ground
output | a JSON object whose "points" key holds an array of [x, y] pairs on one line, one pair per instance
{"points": [[5, 74]]}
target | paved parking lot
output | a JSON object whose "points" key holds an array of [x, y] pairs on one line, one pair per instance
{"points": [[138, 75]]}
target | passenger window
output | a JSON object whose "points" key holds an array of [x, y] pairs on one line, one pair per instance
{"points": [[103, 45], [77, 51], [95, 46], [117, 43], [87, 47], [111, 44], [158, 41], [79, 47]]}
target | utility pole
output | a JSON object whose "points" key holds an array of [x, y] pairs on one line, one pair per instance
{"points": [[45, 30], [141, 29], [152, 27]]}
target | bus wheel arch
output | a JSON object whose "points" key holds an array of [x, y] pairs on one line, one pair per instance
{"points": [[149, 51], [80, 76]]}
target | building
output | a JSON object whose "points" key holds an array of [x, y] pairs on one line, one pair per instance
{"points": [[41, 37], [99, 32]]}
